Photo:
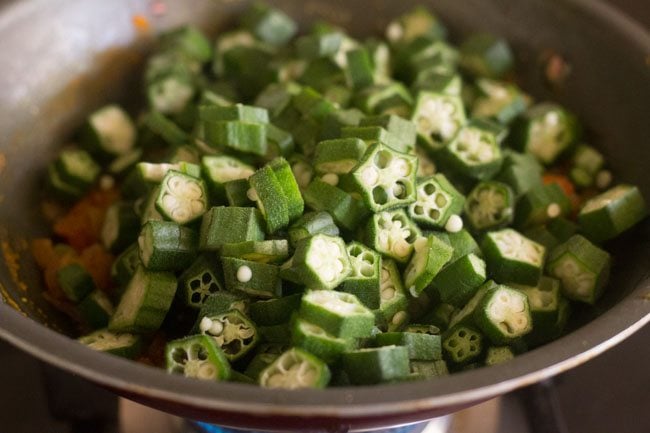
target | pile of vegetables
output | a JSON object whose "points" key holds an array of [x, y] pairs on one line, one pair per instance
{"points": [[320, 210]]}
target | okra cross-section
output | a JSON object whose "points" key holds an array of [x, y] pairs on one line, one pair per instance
{"points": [[233, 332], [363, 281], [393, 301], [167, 246], [320, 261], [200, 280], [473, 152], [437, 117], [109, 132], [490, 205], [119, 344], [611, 213], [430, 255], [182, 198], [386, 178], [437, 200], [503, 314], [295, 369], [582, 267], [546, 130], [392, 234], [513, 258], [197, 357], [462, 344], [316, 340], [338, 313]]}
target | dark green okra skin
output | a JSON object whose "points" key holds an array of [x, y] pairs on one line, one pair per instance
{"points": [[167, 246], [244, 224], [376, 365], [421, 347]]}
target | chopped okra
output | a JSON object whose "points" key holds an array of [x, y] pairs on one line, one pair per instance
{"points": [[391, 209]]}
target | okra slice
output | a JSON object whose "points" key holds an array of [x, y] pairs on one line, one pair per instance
{"points": [[417, 22], [486, 55], [546, 130], [541, 204], [499, 100], [312, 223], [346, 210], [586, 162], [121, 226], [421, 347], [119, 344], [374, 134], [259, 280], [75, 281], [145, 302], [217, 170], [182, 198], [319, 45], [77, 168], [437, 117], [490, 205], [162, 127], [457, 282], [429, 369], [338, 313], [280, 142], [259, 362], [465, 316], [317, 341], [546, 307], [513, 258], [295, 369], [241, 112], [392, 296], [287, 180], [96, 309], [386, 178], [273, 312], [109, 132], [402, 129], [392, 234], [582, 267], [200, 280], [338, 156], [270, 198], [473, 152], [197, 357], [320, 261], [376, 365], [152, 173], [462, 345], [219, 303], [233, 332], [360, 70], [167, 246], [125, 265], [240, 136], [437, 200], [498, 355], [520, 171], [271, 251], [503, 314], [187, 40], [611, 213], [430, 255], [269, 24], [59, 188], [237, 193], [364, 279], [230, 224]]}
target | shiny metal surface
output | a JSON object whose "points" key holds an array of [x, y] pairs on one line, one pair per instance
{"points": [[61, 59]]}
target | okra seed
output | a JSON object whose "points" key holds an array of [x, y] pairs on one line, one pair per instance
{"points": [[331, 178], [399, 318], [216, 328], [244, 274], [206, 324], [553, 210], [252, 194], [370, 176], [454, 224]]}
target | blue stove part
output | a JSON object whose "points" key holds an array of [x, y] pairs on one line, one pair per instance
{"points": [[202, 427]]}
